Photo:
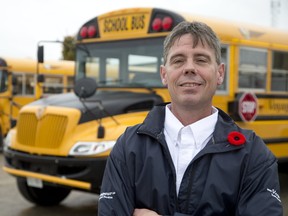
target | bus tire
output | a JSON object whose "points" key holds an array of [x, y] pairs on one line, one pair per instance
{"points": [[46, 196]]}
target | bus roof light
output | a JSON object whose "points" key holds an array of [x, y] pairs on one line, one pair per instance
{"points": [[84, 32], [157, 24], [91, 31], [167, 23]]}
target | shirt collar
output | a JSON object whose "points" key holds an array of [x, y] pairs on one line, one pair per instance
{"points": [[204, 128], [172, 125], [201, 129]]}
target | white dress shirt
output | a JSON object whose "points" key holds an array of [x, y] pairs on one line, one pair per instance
{"points": [[185, 143]]}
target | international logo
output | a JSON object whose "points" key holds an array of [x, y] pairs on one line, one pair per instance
{"points": [[40, 112]]}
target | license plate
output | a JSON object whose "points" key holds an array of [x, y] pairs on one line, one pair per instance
{"points": [[34, 182]]}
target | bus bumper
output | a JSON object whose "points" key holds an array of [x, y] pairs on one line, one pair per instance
{"points": [[76, 173]]}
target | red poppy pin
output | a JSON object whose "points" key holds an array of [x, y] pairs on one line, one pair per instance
{"points": [[236, 138]]}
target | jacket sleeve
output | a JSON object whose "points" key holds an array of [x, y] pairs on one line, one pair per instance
{"points": [[116, 197], [260, 192]]}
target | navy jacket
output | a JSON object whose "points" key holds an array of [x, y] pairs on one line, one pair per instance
{"points": [[223, 178]]}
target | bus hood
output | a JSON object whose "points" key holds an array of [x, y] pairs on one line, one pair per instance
{"points": [[113, 102]]}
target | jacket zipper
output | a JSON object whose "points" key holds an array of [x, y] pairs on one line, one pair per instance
{"points": [[191, 180]]}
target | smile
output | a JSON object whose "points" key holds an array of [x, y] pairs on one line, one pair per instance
{"points": [[190, 84]]}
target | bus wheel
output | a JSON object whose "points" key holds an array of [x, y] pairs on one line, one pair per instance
{"points": [[46, 196]]}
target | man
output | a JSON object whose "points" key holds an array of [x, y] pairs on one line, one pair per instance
{"points": [[188, 157]]}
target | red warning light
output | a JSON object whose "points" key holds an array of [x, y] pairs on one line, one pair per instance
{"points": [[157, 24], [91, 31], [167, 23], [84, 32]]}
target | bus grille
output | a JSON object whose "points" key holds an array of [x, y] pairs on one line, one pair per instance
{"points": [[46, 132]]}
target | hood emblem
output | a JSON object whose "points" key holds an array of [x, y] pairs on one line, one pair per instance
{"points": [[40, 112]]}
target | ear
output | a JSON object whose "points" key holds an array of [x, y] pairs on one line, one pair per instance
{"points": [[221, 73], [163, 75]]}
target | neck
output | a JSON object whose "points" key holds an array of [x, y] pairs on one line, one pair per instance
{"points": [[189, 115]]}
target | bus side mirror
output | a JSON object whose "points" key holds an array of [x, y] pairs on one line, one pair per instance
{"points": [[40, 54], [40, 78], [85, 87]]}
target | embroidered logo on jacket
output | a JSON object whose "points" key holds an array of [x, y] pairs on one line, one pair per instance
{"points": [[107, 195], [274, 194]]}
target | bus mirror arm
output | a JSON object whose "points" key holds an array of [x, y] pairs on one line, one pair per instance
{"points": [[101, 129], [101, 107]]}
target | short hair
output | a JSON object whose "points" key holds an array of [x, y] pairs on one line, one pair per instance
{"points": [[200, 33]]}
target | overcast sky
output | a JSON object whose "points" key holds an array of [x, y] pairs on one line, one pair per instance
{"points": [[26, 22]]}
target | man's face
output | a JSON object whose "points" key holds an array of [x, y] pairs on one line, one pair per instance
{"points": [[191, 74]]}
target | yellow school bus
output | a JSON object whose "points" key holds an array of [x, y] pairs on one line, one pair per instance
{"points": [[62, 143], [24, 80]]}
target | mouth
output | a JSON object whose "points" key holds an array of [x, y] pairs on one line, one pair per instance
{"points": [[190, 84]]}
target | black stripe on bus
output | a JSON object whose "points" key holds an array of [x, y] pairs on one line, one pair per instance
{"points": [[271, 118], [268, 96], [272, 141]]}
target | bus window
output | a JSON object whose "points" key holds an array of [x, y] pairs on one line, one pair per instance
{"points": [[92, 67], [25, 84], [3, 80], [252, 69], [29, 84], [144, 64], [144, 70], [224, 59], [70, 83], [279, 71], [113, 71], [53, 85], [18, 88]]}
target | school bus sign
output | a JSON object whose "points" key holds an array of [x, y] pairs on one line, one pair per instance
{"points": [[248, 107]]}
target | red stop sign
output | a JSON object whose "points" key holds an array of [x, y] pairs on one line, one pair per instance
{"points": [[248, 107]]}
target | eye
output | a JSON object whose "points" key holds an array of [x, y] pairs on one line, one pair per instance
{"points": [[177, 61], [202, 60]]}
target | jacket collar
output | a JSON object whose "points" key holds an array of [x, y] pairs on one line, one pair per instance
{"points": [[153, 125]]}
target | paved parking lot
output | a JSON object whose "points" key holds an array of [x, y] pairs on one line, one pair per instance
{"points": [[77, 204]]}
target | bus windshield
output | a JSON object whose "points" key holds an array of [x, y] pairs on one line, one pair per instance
{"points": [[121, 63]]}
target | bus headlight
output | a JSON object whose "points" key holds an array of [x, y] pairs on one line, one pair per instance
{"points": [[8, 139], [91, 148]]}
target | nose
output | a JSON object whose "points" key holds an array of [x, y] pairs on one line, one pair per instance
{"points": [[189, 68]]}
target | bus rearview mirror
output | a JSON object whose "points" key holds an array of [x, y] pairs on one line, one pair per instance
{"points": [[40, 54]]}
